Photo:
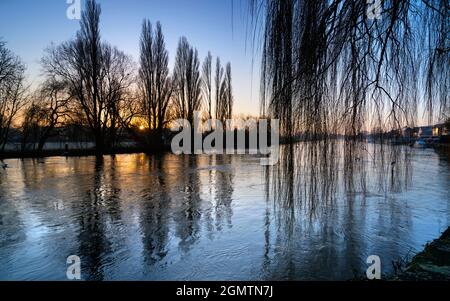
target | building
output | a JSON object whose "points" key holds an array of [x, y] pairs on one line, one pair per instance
{"points": [[440, 130], [424, 131]]}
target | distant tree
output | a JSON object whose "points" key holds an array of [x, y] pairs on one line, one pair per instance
{"points": [[228, 92], [207, 83], [54, 103], [128, 109], [30, 126], [154, 81], [218, 81], [447, 123], [12, 91], [224, 96], [187, 81]]}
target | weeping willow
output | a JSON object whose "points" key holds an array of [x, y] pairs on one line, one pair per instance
{"points": [[341, 67]]}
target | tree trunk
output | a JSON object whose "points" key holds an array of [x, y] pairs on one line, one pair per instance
{"points": [[99, 144]]}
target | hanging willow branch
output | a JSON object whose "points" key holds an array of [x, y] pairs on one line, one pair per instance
{"points": [[336, 66], [342, 67]]}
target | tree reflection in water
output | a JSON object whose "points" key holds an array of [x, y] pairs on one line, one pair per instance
{"points": [[317, 215], [99, 208], [154, 219], [315, 189]]}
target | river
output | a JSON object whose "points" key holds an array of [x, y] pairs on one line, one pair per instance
{"points": [[217, 217]]}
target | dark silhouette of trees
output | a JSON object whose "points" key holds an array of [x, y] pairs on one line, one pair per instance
{"points": [[90, 87], [187, 81], [49, 110], [32, 116], [97, 74], [207, 83], [227, 93], [12, 91], [447, 121], [337, 66], [218, 81], [340, 67], [154, 81], [224, 93]]}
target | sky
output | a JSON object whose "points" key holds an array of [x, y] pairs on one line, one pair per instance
{"points": [[219, 26]]}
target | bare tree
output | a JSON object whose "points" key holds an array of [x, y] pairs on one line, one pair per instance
{"points": [[218, 82], [340, 65], [30, 127], [97, 74], [53, 108], [207, 82], [187, 81], [154, 81], [12, 91], [228, 92], [224, 96], [332, 67]]}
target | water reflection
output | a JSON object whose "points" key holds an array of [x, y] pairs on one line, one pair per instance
{"points": [[187, 211], [316, 215], [329, 209], [223, 194], [98, 209], [154, 219], [312, 175]]}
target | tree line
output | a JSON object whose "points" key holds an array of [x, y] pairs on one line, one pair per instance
{"points": [[93, 85]]}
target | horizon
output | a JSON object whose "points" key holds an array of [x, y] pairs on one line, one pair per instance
{"points": [[219, 27]]}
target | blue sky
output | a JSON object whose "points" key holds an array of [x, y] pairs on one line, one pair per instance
{"points": [[219, 26]]}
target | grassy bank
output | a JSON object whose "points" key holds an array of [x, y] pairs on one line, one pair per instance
{"points": [[433, 263]]}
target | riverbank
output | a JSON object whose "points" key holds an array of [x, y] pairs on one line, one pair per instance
{"points": [[433, 263], [72, 153], [81, 152]]}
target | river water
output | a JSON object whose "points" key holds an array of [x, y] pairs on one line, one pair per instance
{"points": [[217, 217]]}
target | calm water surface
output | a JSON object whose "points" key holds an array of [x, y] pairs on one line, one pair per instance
{"points": [[139, 217]]}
